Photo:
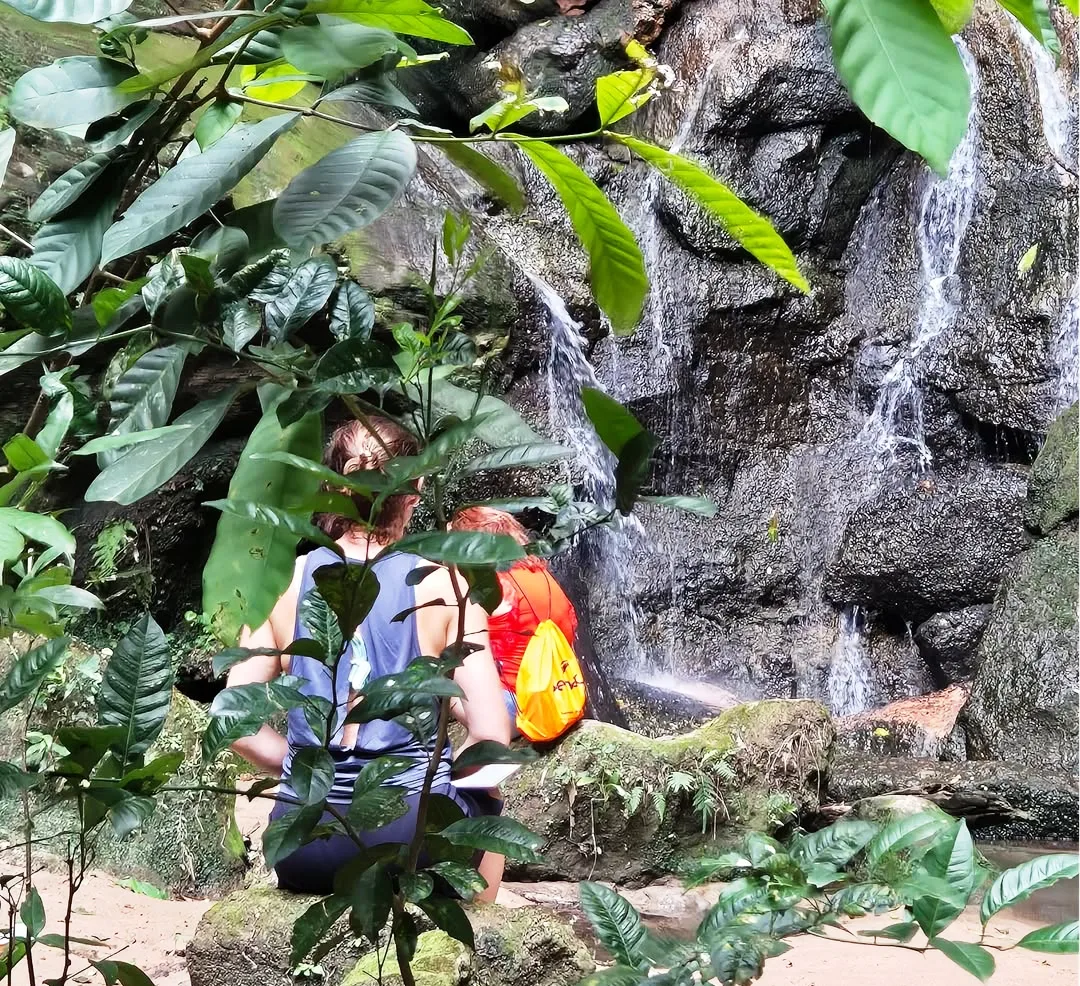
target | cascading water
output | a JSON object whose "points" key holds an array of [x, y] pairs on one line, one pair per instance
{"points": [[895, 431], [1058, 112], [1067, 352], [894, 434]]}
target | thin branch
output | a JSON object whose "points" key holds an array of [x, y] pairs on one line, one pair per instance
{"points": [[25, 244]]}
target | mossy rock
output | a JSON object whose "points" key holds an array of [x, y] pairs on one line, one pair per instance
{"points": [[245, 940], [614, 805], [528, 946], [439, 961], [1053, 495]]}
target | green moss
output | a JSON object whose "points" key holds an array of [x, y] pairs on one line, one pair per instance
{"points": [[1054, 487], [439, 961]]}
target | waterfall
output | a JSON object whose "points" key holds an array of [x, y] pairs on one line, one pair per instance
{"points": [[895, 428], [606, 551], [1058, 113], [850, 671], [1067, 351]]}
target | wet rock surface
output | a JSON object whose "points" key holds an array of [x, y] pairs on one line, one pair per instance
{"points": [[922, 726], [948, 641], [1052, 496]]}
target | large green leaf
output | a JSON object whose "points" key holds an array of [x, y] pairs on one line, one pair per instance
{"points": [[502, 425], [907, 831], [14, 779], [620, 93], [1058, 939], [345, 190], [144, 468], [971, 958], [413, 17], [487, 173], [1034, 15], [377, 90], [69, 92], [31, 298], [616, 267], [331, 51], [1020, 882], [143, 396], [955, 862], [617, 925], [517, 457], [185, 192], [614, 424], [313, 925], [263, 513], [7, 145], [752, 231], [217, 120], [69, 11], [251, 564], [66, 190], [954, 14], [904, 72], [836, 844], [462, 547], [39, 527], [288, 833], [349, 590], [495, 834], [136, 688], [308, 288], [353, 313], [68, 249], [311, 774], [29, 670]]}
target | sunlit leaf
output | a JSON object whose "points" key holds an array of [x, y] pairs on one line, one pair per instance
{"points": [[487, 173], [413, 17], [69, 11], [30, 297], [70, 91]]}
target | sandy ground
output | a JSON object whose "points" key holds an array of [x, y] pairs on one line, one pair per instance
{"points": [[152, 934]]}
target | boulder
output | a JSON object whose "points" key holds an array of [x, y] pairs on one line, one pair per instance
{"points": [[1053, 495], [920, 726], [528, 946], [941, 544], [948, 641], [613, 805], [1023, 705], [1000, 801], [244, 940], [439, 961]]}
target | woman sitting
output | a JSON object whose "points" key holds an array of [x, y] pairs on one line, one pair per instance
{"points": [[385, 643], [530, 595]]}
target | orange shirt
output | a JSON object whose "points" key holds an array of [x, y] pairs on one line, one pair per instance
{"points": [[530, 596]]}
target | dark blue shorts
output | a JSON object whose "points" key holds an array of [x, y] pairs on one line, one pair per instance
{"points": [[311, 869]]}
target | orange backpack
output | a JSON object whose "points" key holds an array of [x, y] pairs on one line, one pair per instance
{"points": [[550, 689]]}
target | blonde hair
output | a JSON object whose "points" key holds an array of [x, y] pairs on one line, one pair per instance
{"points": [[371, 444]]}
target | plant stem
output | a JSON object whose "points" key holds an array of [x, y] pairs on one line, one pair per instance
{"points": [[25, 244], [404, 968]]}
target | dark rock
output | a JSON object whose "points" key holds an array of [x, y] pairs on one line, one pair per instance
{"points": [[1053, 495], [757, 762], [999, 800], [1023, 705], [941, 544], [948, 641]]}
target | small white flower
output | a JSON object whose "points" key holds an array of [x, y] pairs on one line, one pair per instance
{"points": [[106, 652]]}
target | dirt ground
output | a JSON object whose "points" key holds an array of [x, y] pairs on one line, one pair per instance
{"points": [[152, 934]]}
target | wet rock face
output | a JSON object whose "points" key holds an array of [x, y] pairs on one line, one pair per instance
{"points": [[1052, 497], [948, 641], [939, 544]]}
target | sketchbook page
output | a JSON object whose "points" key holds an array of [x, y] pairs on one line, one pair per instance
{"points": [[492, 775]]}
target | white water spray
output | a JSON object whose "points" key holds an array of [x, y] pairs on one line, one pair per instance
{"points": [[850, 672]]}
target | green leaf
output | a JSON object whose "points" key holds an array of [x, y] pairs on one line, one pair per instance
{"points": [[266, 515], [836, 844], [486, 173], [70, 92], [954, 14], [306, 291], [109, 443], [311, 774], [136, 689], [1027, 261], [700, 505], [69, 11], [903, 72], [413, 17], [29, 670], [901, 932], [67, 250], [251, 565], [32, 913], [971, 958], [7, 145], [66, 190], [1034, 15], [614, 424], [375, 807], [142, 398], [14, 779], [313, 926], [321, 622], [617, 925], [377, 90], [1058, 939], [221, 733], [502, 425], [447, 915], [463, 879], [143, 888], [70, 596], [750, 229], [352, 315], [39, 527], [108, 301], [350, 591], [216, 121], [495, 834], [186, 191], [115, 131], [486, 752], [346, 189], [462, 547], [621, 975], [516, 457], [1020, 882], [619, 94], [371, 897], [330, 51], [31, 298], [124, 973], [955, 861], [363, 481], [616, 267], [240, 323], [904, 832], [259, 700], [144, 468]]}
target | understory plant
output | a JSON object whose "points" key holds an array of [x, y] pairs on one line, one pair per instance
{"points": [[923, 869]]}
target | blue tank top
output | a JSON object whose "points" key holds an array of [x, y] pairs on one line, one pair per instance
{"points": [[379, 647]]}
